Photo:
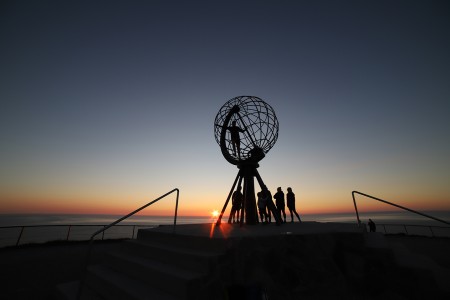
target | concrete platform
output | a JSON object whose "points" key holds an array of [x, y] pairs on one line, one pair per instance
{"points": [[225, 230]]}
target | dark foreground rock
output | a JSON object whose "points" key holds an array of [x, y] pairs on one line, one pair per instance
{"points": [[32, 271], [335, 265], [338, 266], [294, 261]]}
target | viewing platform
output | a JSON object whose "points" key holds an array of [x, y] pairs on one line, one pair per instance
{"points": [[226, 230], [308, 260]]}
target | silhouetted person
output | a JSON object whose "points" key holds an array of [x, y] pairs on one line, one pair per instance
{"points": [[235, 139], [271, 208], [268, 197], [290, 201], [372, 226], [262, 207], [279, 200], [236, 205], [268, 214]]}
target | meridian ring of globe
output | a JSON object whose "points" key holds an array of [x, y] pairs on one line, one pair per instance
{"points": [[256, 117]]}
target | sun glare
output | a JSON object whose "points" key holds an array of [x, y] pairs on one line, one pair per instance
{"points": [[215, 213]]}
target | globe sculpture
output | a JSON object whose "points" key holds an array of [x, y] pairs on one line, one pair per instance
{"points": [[245, 128]]}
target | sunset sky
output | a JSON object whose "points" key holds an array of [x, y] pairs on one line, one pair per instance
{"points": [[106, 105]]}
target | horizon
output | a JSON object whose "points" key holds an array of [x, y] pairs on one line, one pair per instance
{"points": [[394, 218], [226, 214], [109, 105], [165, 209]]}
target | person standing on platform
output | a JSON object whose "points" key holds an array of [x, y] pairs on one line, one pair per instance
{"points": [[262, 207], [236, 206], [372, 226], [235, 139], [279, 201], [290, 201], [271, 208]]}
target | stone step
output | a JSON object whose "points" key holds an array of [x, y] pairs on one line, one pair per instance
{"points": [[201, 261], [167, 277], [110, 284]]}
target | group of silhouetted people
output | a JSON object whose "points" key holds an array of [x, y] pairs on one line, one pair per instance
{"points": [[266, 207]]}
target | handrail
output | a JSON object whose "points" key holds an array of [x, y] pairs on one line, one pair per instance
{"points": [[91, 241], [69, 226], [393, 204], [430, 227], [134, 226]]}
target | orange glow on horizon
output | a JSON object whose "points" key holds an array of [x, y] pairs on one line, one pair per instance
{"points": [[198, 206]]}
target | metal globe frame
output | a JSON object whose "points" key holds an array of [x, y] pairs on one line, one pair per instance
{"points": [[260, 123], [246, 128]]}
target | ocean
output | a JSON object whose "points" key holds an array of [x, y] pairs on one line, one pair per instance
{"points": [[39, 228]]}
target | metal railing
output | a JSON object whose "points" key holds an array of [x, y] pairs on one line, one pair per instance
{"points": [[393, 204], [91, 241], [430, 230], [64, 235]]}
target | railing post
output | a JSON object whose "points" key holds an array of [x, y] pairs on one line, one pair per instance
{"points": [[20, 235], [68, 233], [406, 230], [132, 235], [384, 226], [176, 212], [356, 208], [103, 233], [431, 229]]}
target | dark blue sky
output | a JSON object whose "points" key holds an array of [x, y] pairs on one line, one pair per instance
{"points": [[116, 99]]}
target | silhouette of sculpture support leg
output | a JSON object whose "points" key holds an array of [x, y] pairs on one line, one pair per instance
{"points": [[243, 204], [249, 203], [249, 212], [219, 220]]}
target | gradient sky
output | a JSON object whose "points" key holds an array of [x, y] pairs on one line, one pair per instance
{"points": [[106, 105]]}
